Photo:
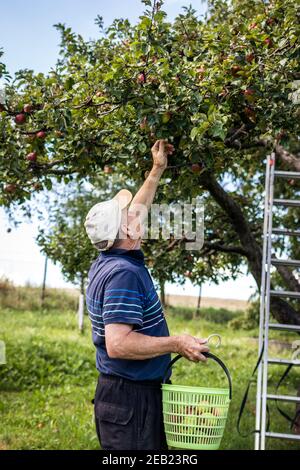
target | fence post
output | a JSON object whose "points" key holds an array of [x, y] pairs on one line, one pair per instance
{"points": [[44, 280], [81, 312], [81, 306]]}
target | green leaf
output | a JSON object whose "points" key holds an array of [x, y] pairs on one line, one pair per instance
{"points": [[194, 133], [142, 147], [217, 130]]}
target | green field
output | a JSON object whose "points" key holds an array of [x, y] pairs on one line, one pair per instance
{"points": [[48, 382]]}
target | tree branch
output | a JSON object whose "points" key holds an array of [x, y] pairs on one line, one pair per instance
{"points": [[288, 276], [226, 249], [287, 157]]}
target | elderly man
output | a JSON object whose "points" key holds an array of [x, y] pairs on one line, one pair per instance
{"points": [[129, 329]]}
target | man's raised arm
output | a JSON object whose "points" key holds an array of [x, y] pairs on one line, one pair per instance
{"points": [[145, 195]]}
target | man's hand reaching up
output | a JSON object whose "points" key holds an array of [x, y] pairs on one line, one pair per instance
{"points": [[160, 151]]}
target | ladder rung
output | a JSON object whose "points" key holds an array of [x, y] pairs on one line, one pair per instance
{"points": [[282, 293], [286, 202], [285, 262], [283, 362], [284, 398], [283, 231], [277, 435], [287, 174], [282, 326]]}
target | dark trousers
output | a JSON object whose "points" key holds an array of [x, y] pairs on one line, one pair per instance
{"points": [[129, 414]]}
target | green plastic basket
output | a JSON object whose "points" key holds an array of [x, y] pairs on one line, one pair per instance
{"points": [[195, 417]]}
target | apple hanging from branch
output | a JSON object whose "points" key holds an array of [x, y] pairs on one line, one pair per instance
{"points": [[41, 135], [141, 78], [20, 119], [31, 157], [10, 188], [196, 167]]}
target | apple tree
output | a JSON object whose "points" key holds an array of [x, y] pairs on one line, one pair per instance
{"points": [[224, 89]]}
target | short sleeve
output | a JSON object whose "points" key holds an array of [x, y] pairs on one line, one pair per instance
{"points": [[123, 299]]}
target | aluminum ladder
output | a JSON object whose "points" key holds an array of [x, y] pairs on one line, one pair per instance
{"points": [[262, 395]]}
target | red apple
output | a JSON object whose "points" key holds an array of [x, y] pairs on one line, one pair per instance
{"points": [[196, 167], [249, 92], [99, 94], [268, 42], [31, 157], [20, 118], [187, 273], [41, 134], [250, 57], [270, 21], [27, 108], [141, 78], [10, 188]]}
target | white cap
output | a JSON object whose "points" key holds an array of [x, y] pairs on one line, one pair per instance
{"points": [[103, 219]]}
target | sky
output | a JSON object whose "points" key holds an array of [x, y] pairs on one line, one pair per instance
{"points": [[29, 40]]}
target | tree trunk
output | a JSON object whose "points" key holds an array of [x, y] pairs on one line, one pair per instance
{"points": [[162, 293], [197, 311], [289, 278], [288, 158], [281, 310]]}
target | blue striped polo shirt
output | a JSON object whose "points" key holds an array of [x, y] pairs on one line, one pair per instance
{"points": [[120, 290]]}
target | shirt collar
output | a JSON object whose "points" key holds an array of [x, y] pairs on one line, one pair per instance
{"points": [[136, 255]]}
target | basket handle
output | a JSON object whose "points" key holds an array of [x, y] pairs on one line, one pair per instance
{"points": [[210, 356]]}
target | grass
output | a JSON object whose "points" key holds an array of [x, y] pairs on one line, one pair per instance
{"points": [[48, 382]]}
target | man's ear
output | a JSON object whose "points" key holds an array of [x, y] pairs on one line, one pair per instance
{"points": [[125, 230]]}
